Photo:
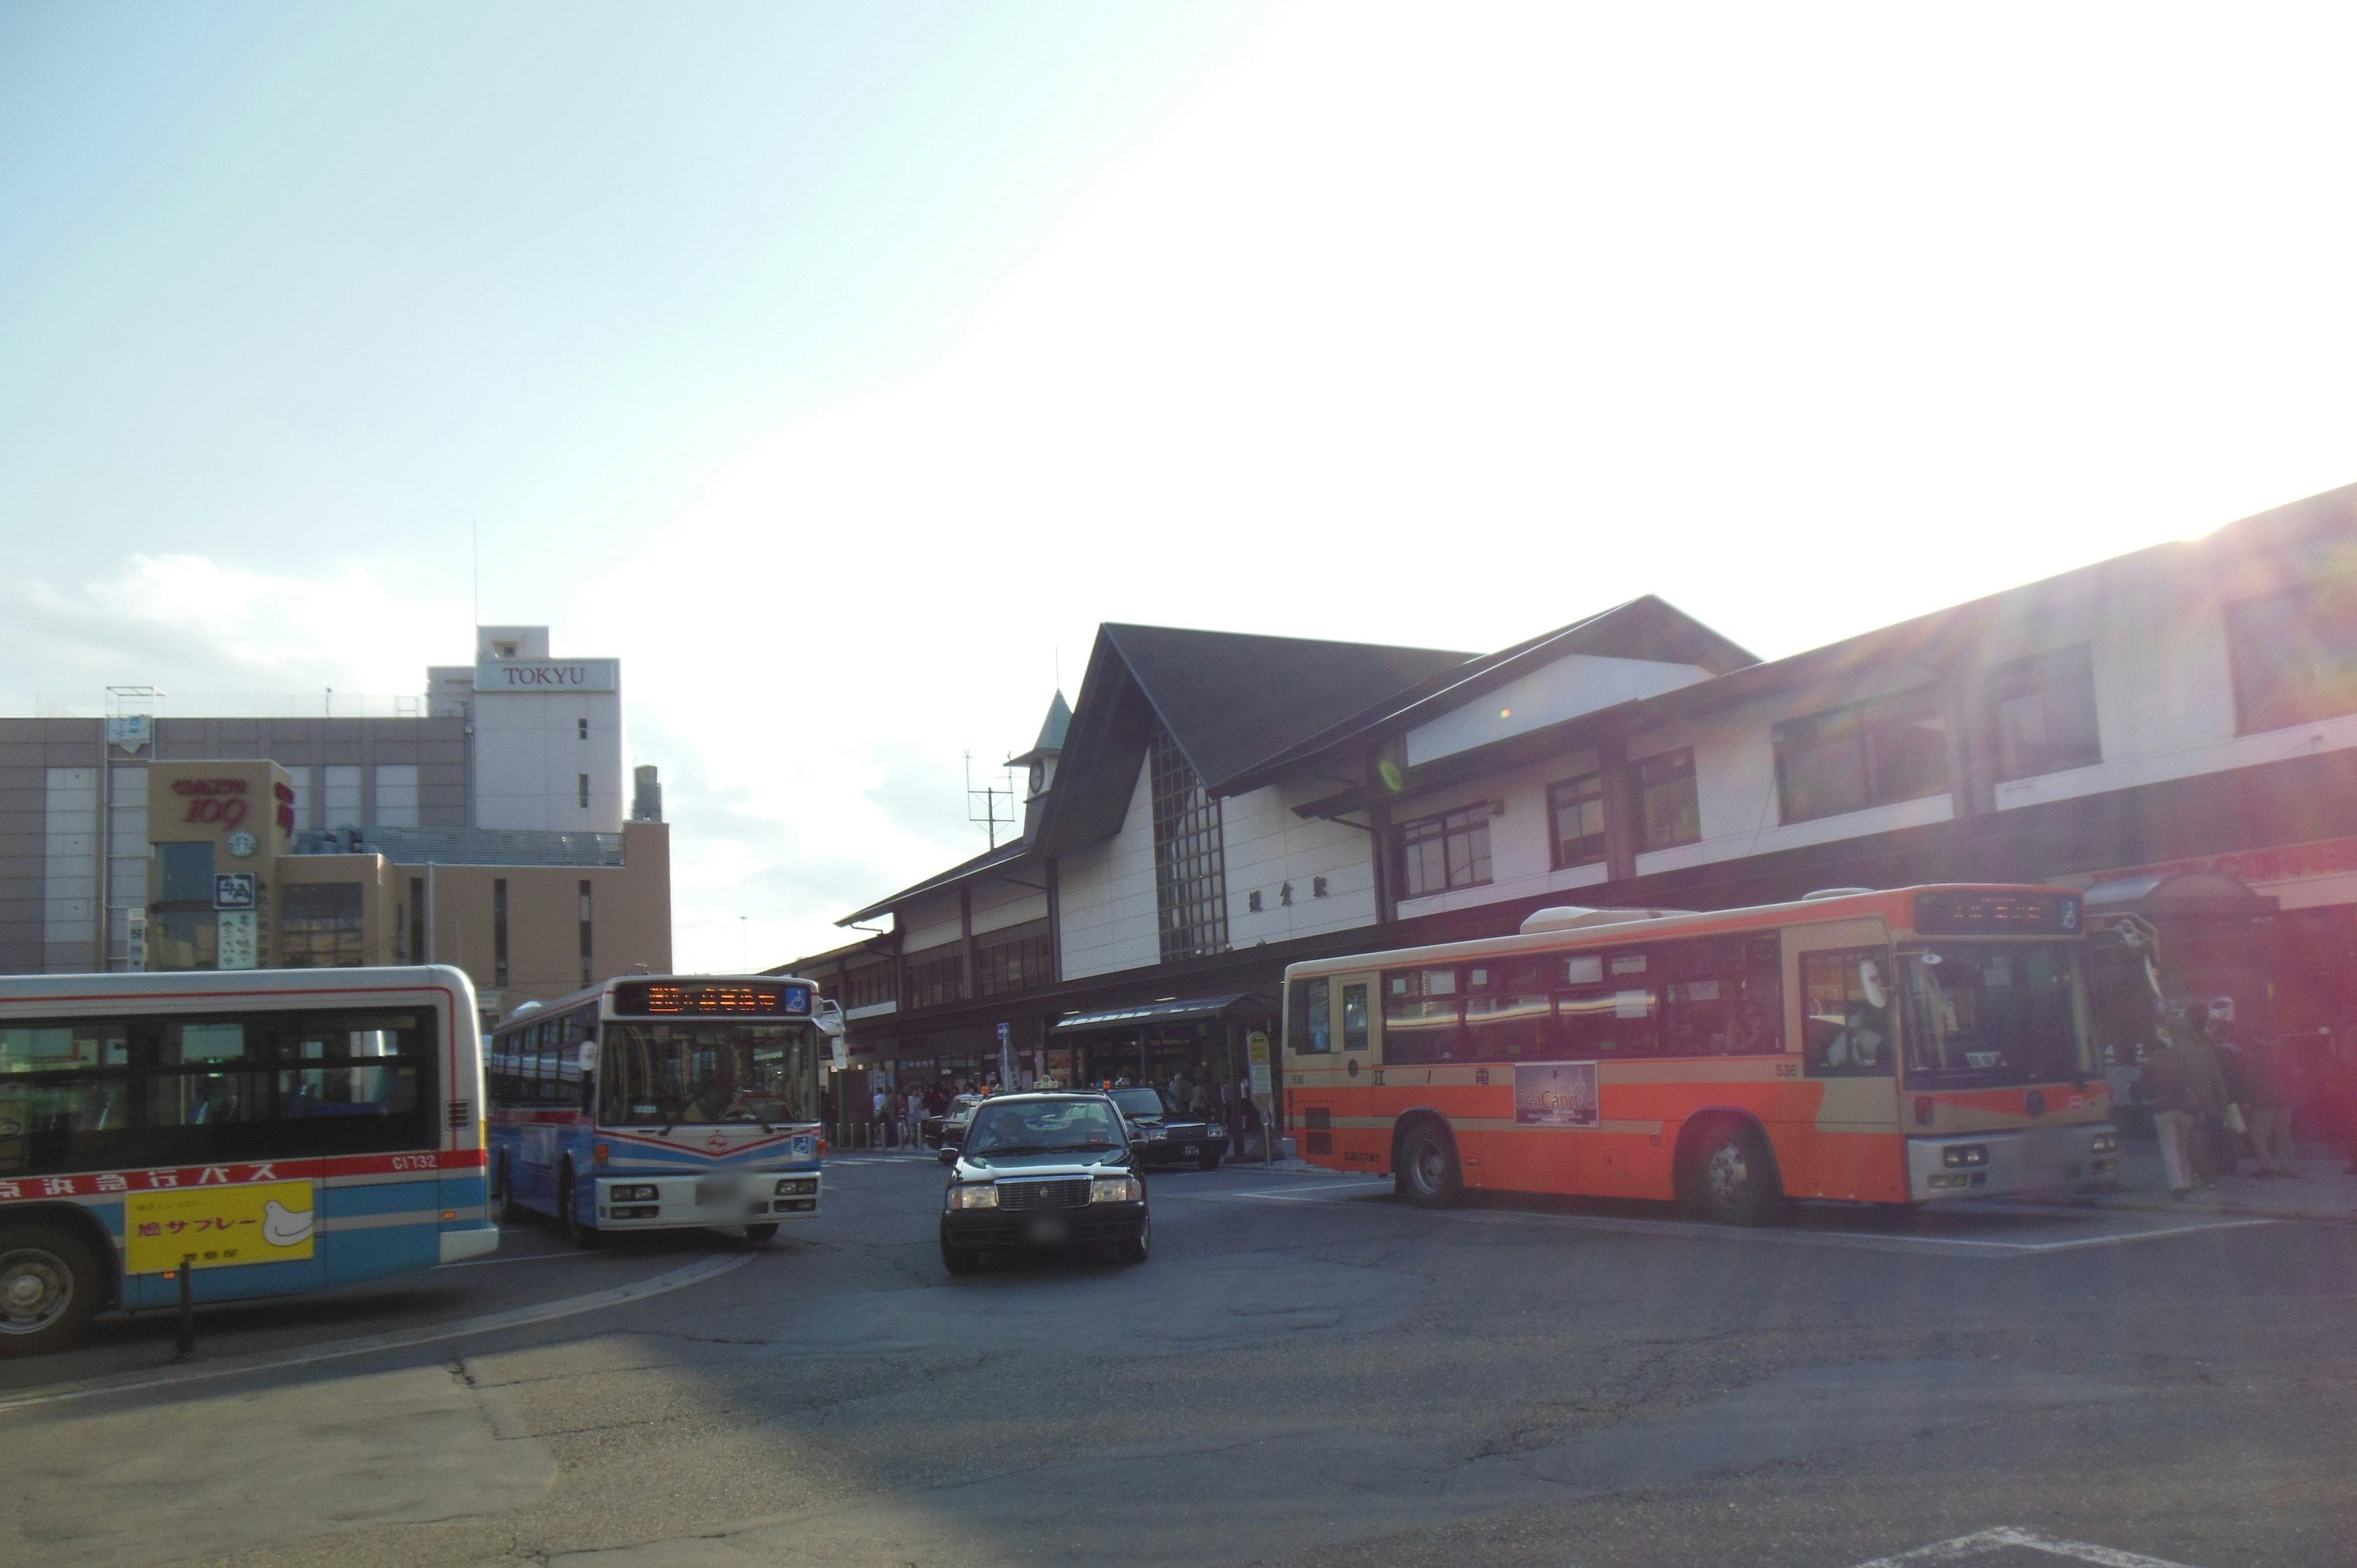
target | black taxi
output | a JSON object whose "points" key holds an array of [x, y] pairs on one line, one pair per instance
{"points": [[1039, 1171]]}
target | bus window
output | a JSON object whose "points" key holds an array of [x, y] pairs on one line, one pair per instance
{"points": [[1354, 1017], [1728, 998], [1422, 1016], [1311, 1028], [1846, 999], [65, 1097], [1508, 1013]]}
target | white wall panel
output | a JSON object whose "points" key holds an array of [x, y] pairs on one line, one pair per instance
{"points": [[1575, 684], [1105, 895], [69, 870], [1268, 847]]}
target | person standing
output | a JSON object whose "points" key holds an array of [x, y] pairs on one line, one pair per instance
{"points": [[2184, 1084], [2267, 1106], [878, 1104]]}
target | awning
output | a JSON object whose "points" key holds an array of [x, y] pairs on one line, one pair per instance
{"points": [[2177, 893], [1176, 1010]]}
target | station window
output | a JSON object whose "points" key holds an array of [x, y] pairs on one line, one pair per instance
{"points": [[2044, 712], [1669, 807], [2295, 654], [1575, 812], [1866, 753], [1449, 850]]}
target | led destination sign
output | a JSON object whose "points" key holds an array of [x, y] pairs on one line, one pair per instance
{"points": [[695, 998], [1997, 912]]}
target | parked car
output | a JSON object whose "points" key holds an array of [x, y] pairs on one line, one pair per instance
{"points": [[1043, 1171], [1165, 1134], [947, 1130]]}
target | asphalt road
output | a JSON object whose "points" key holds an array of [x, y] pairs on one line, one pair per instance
{"points": [[1307, 1372]]}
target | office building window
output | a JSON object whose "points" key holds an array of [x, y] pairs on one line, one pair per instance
{"points": [[396, 795], [2295, 654], [584, 791], [583, 726], [1190, 873], [1576, 811], [1449, 850], [1669, 808], [500, 931], [341, 797], [586, 976], [320, 926], [1016, 959], [2043, 711], [307, 800], [1867, 754], [187, 874], [936, 975]]}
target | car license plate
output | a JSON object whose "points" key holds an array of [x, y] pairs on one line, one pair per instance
{"points": [[712, 1192], [1187, 1150], [1047, 1233]]}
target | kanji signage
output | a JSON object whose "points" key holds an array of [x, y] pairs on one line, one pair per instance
{"points": [[233, 890], [218, 1226]]}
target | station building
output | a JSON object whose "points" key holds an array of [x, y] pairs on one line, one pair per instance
{"points": [[486, 828], [2173, 731]]}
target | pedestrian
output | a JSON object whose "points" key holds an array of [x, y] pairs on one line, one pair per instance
{"points": [[1200, 1102], [2266, 1099], [2183, 1082], [912, 1120], [878, 1103], [2227, 1125]]}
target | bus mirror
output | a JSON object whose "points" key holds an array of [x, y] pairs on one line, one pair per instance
{"points": [[1869, 980], [588, 1057]]}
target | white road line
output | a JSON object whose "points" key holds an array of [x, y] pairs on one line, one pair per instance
{"points": [[1876, 1239], [490, 1323], [2005, 1538], [516, 1257]]}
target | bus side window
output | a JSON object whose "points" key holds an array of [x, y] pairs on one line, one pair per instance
{"points": [[1607, 1005], [1354, 1017], [1724, 997], [1311, 1030], [1422, 1016], [1509, 1014], [1845, 1008]]}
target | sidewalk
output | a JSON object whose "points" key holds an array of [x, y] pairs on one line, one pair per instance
{"points": [[2321, 1191]]}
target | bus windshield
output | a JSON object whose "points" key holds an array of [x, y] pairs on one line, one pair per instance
{"points": [[659, 1075], [1986, 1015]]}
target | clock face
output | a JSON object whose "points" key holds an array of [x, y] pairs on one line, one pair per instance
{"points": [[241, 844]]}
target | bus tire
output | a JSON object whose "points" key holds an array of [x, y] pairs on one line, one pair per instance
{"points": [[1428, 1173], [503, 1197], [757, 1234], [1733, 1180], [50, 1287], [568, 1212]]}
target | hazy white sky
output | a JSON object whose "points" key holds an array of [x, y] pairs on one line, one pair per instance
{"points": [[839, 367]]}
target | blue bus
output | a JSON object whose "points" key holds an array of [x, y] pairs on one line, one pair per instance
{"points": [[268, 1132], [660, 1102]]}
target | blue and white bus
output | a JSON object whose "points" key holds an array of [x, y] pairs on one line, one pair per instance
{"points": [[271, 1131], [660, 1102]]}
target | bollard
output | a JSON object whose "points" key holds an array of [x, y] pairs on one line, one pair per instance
{"points": [[187, 1307]]}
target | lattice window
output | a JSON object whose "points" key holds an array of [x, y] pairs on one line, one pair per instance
{"points": [[1190, 873]]}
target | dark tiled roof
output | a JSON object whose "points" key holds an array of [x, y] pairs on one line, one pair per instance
{"points": [[988, 861]]}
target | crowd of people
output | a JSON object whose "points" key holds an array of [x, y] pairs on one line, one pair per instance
{"points": [[2212, 1093]]}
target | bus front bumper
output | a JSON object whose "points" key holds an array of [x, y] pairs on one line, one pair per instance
{"points": [[2028, 1159], [725, 1198]]}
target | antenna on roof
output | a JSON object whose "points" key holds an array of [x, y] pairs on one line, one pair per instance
{"points": [[985, 799]]}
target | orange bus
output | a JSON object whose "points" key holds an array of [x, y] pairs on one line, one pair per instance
{"points": [[1897, 1047]]}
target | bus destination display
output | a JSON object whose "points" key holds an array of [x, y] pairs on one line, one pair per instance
{"points": [[687, 998], [1994, 913]]}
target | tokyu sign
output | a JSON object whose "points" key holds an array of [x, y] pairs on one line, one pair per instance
{"points": [[548, 676]]}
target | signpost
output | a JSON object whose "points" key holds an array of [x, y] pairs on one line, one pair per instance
{"points": [[1262, 1091]]}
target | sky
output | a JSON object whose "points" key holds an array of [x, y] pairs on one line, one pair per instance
{"points": [[840, 367]]}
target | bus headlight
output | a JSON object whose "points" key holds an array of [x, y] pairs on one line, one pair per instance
{"points": [[1116, 1189], [974, 1194], [1957, 1154], [797, 1186], [639, 1194], [2106, 1142]]}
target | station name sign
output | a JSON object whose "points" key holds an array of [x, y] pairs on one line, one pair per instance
{"points": [[552, 677]]}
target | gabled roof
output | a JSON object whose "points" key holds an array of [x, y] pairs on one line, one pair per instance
{"points": [[1228, 699], [1051, 733], [1647, 628], [965, 870]]}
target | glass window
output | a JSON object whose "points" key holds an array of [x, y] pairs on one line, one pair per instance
{"points": [[1041, 1126], [1423, 1015], [1601, 1015], [1190, 875], [2295, 654], [1354, 1017], [1868, 754], [1981, 1017], [1669, 809], [1509, 1010], [1449, 850], [1016, 959], [2044, 713], [1723, 997], [186, 872], [936, 975], [62, 1048], [1845, 1008], [1311, 1028], [664, 1074], [321, 925], [1576, 812]]}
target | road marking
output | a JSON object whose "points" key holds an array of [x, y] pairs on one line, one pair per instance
{"points": [[2007, 1538], [517, 1258], [516, 1317], [1863, 1240]]}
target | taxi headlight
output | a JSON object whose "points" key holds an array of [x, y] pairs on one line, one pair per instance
{"points": [[2106, 1142], [1216, 1130], [1116, 1189], [974, 1194]]}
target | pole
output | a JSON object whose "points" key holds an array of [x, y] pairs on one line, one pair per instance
{"points": [[188, 1341]]}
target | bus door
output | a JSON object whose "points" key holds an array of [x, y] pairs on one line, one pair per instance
{"points": [[1845, 998]]}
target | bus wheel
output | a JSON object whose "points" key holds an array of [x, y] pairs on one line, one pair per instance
{"points": [[1427, 1167], [758, 1233], [568, 1212], [49, 1290], [503, 1197], [1733, 1182]]}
